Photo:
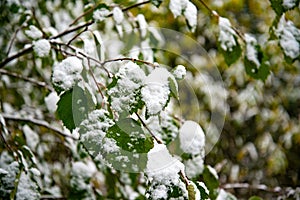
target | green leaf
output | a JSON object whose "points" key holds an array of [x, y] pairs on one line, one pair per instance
{"points": [[173, 88], [255, 198], [203, 191], [156, 2], [258, 72], [211, 182], [191, 192], [74, 106], [232, 55], [130, 136]]}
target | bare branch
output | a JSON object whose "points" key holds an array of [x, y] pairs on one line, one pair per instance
{"points": [[17, 55], [158, 140], [252, 187], [31, 80], [38, 123]]}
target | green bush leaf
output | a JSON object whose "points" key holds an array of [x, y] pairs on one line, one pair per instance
{"points": [[130, 136], [233, 55], [211, 181], [74, 106], [173, 88]]}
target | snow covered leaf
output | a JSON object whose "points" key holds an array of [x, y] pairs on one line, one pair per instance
{"points": [[73, 106], [8, 175], [156, 2], [118, 15], [204, 192], [34, 32], [27, 188], [41, 47], [210, 177], [192, 138], [173, 88], [100, 12], [225, 195], [281, 6], [255, 61], [289, 39], [190, 13], [67, 73], [228, 42], [130, 136]]}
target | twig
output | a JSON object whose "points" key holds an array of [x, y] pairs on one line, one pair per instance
{"points": [[37, 122], [87, 24], [183, 176], [31, 80], [207, 7], [82, 15], [85, 29], [158, 140], [17, 55], [130, 59], [253, 187]]}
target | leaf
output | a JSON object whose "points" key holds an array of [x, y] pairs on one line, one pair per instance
{"points": [[280, 7], [74, 106], [255, 61], [173, 88], [233, 55], [191, 192], [130, 136], [255, 198], [211, 181], [156, 2]]}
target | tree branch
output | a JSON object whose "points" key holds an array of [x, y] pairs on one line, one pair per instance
{"points": [[31, 80], [38, 123], [252, 187], [17, 55]]}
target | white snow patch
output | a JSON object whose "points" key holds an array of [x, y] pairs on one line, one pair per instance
{"points": [[33, 32], [142, 24], [179, 72], [289, 38], [194, 166], [177, 6], [118, 15], [226, 34], [51, 101], [67, 73], [251, 52], [190, 14], [289, 4], [213, 171], [41, 47], [100, 14], [192, 138], [27, 189], [32, 138], [162, 167], [196, 190], [160, 192]]}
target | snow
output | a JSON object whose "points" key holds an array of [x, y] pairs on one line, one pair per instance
{"points": [[194, 166], [32, 138], [179, 72], [177, 6], [51, 101], [41, 47], [142, 24], [251, 52], [110, 146], [226, 35], [201, 184], [118, 15], [100, 14], [27, 189], [130, 79], [34, 32], [289, 38], [190, 14], [155, 92], [67, 73], [213, 171], [289, 4], [192, 138], [160, 192], [162, 167]]}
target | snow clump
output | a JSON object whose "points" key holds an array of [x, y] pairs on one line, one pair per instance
{"points": [[41, 47]]}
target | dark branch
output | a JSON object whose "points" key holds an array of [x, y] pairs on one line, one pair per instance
{"points": [[17, 55]]}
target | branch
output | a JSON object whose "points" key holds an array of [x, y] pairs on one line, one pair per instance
{"points": [[252, 187], [130, 59], [31, 80], [37, 122], [17, 55], [158, 140]]}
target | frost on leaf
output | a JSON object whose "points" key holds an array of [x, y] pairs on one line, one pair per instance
{"points": [[228, 43], [41, 47], [255, 61], [124, 91], [155, 92], [289, 38], [67, 73]]}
